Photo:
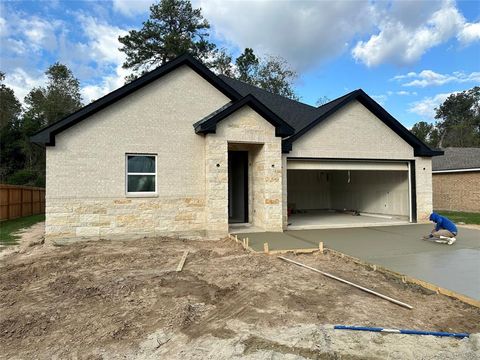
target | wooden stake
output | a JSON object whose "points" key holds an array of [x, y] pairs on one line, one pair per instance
{"points": [[182, 261], [265, 248], [320, 246], [348, 282], [236, 239], [246, 244]]}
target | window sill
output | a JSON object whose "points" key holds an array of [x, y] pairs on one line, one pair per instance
{"points": [[142, 195]]}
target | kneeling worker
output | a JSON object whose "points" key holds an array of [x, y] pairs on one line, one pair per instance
{"points": [[444, 229]]}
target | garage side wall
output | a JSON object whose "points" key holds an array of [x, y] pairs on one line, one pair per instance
{"points": [[423, 175], [86, 190]]}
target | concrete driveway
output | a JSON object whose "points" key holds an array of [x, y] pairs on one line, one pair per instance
{"points": [[399, 248]]}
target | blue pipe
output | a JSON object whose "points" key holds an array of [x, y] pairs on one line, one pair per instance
{"points": [[401, 331]]}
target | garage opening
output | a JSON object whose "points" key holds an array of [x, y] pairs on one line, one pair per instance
{"points": [[344, 194]]}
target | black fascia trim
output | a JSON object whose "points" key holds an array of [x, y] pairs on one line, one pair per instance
{"points": [[46, 136], [208, 126], [419, 148], [413, 190], [347, 159]]}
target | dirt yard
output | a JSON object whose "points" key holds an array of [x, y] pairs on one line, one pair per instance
{"points": [[124, 299]]}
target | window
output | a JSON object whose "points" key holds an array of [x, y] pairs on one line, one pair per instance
{"points": [[141, 174]]}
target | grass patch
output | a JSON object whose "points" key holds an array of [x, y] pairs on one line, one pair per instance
{"points": [[9, 227], [458, 216]]}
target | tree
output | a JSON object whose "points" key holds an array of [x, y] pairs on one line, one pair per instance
{"points": [[322, 100], [58, 99], [459, 119], [10, 110], [10, 107], [222, 64], [247, 67], [172, 29], [271, 73]]}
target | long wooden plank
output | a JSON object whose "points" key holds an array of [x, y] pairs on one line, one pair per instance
{"points": [[182, 261], [348, 282]]}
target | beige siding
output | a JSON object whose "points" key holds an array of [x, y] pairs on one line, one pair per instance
{"points": [[352, 132], [86, 168]]}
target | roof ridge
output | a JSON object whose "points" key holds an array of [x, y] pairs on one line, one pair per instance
{"points": [[269, 92]]}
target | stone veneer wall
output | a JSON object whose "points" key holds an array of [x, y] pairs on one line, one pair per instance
{"points": [[125, 218], [249, 129]]}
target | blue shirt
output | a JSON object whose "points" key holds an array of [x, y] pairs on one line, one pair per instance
{"points": [[443, 222]]}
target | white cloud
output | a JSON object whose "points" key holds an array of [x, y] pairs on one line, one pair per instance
{"points": [[22, 82], [40, 33], [305, 33], [426, 107], [132, 7], [105, 86], [469, 33], [381, 99], [431, 78], [103, 41], [404, 36], [405, 93]]}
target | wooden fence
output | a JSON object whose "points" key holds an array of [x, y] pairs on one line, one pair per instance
{"points": [[17, 201]]}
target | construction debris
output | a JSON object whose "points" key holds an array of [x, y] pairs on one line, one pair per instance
{"points": [[348, 282], [182, 261]]}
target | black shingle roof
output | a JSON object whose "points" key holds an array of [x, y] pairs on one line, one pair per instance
{"points": [[296, 114], [457, 159], [291, 118]]}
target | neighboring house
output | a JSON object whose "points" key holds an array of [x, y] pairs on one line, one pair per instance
{"points": [[182, 151], [456, 180]]}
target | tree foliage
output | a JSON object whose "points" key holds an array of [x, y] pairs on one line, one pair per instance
{"points": [[10, 107], [271, 73], [459, 119], [458, 122], [173, 28]]}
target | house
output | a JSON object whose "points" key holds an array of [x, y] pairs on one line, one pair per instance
{"points": [[456, 180], [182, 151]]}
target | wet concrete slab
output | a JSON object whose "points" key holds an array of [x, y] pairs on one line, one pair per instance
{"points": [[399, 248]]}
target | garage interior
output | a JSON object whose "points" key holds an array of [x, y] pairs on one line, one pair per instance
{"points": [[347, 194]]}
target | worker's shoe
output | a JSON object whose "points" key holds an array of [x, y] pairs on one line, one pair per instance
{"points": [[451, 241]]}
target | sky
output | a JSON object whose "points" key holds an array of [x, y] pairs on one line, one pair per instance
{"points": [[408, 55]]}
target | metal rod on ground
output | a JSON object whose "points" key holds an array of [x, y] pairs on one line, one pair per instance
{"points": [[401, 331], [348, 282], [182, 261]]}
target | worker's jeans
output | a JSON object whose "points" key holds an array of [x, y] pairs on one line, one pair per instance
{"points": [[443, 232]]}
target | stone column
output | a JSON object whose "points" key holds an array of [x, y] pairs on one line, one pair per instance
{"points": [[216, 172]]}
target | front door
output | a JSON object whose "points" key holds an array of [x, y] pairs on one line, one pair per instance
{"points": [[237, 187]]}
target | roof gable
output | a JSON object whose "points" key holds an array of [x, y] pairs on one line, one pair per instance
{"points": [[209, 123], [46, 136], [420, 149]]}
